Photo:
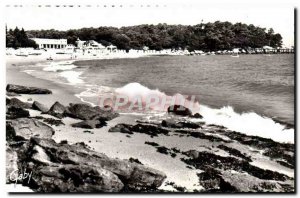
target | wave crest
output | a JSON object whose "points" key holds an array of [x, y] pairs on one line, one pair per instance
{"points": [[249, 123]]}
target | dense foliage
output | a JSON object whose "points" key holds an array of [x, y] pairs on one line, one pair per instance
{"points": [[204, 36], [18, 38]]}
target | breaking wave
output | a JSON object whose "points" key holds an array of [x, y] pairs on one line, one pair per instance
{"points": [[249, 123], [61, 66]]}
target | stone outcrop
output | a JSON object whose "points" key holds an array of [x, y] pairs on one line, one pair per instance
{"points": [[25, 128], [57, 110], [173, 124], [139, 128], [87, 112], [19, 89], [217, 175], [179, 110], [90, 124], [16, 112], [39, 107], [60, 167], [18, 103]]}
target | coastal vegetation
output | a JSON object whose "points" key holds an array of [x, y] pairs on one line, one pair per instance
{"points": [[204, 36], [18, 38]]}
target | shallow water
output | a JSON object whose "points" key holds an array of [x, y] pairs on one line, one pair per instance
{"points": [[263, 84], [245, 94]]}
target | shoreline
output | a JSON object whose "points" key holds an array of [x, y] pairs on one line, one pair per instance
{"points": [[71, 96], [171, 147], [162, 151]]}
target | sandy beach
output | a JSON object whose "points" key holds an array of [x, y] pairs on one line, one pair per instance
{"points": [[181, 176]]}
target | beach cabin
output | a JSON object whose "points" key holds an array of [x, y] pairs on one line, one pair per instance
{"points": [[235, 52], [145, 49], [111, 48], [267, 49], [70, 49], [79, 43], [93, 47]]}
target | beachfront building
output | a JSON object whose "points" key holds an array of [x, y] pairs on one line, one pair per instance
{"points": [[69, 49], [93, 47], [50, 43], [90, 46], [80, 43], [111, 48]]}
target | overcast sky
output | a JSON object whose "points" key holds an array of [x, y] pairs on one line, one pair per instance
{"points": [[33, 17]]}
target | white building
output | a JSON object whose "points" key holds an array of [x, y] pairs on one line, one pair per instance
{"points": [[93, 44], [69, 49], [80, 43], [50, 43], [111, 48]]}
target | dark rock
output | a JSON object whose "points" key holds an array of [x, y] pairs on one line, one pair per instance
{"points": [[76, 178], [201, 135], [12, 94], [16, 112], [90, 124], [26, 90], [173, 124], [52, 121], [87, 131], [178, 188], [197, 115], [213, 181], [235, 152], [64, 142], [164, 150], [87, 112], [135, 160], [152, 143], [57, 110], [25, 128], [287, 187], [38, 117], [40, 107], [283, 163], [202, 160], [139, 128], [18, 103], [76, 165], [179, 110], [122, 128], [272, 149]]}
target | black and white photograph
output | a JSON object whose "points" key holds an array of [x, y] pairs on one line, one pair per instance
{"points": [[150, 97]]}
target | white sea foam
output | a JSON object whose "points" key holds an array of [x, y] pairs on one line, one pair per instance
{"points": [[249, 123], [73, 77], [135, 90], [29, 71], [59, 67]]}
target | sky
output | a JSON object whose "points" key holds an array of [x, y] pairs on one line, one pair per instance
{"points": [[280, 17]]}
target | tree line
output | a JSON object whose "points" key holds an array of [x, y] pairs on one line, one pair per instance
{"points": [[204, 36], [18, 38]]}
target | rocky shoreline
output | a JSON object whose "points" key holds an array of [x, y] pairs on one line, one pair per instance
{"points": [[226, 161]]}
